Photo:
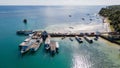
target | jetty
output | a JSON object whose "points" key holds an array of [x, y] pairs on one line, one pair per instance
{"points": [[36, 38], [44, 34], [24, 32]]}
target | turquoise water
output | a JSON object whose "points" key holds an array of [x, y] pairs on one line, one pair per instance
{"points": [[100, 54]]}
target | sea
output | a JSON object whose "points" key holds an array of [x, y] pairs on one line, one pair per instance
{"points": [[100, 54]]}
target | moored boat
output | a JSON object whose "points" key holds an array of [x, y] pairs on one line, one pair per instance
{"points": [[54, 47], [96, 38], [47, 44], [71, 39], [78, 39], [25, 46], [88, 39], [34, 47]]}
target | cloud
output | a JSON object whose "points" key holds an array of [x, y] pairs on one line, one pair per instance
{"points": [[60, 2]]}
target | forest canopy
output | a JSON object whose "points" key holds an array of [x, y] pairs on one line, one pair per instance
{"points": [[113, 14]]}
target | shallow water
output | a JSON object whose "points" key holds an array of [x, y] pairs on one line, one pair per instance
{"points": [[100, 54]]}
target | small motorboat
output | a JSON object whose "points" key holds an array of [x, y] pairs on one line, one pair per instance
{"points": [[71, 39], [78, 39], [47, 44], [88, 39]]}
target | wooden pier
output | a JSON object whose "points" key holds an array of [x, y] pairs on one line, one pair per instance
{"points": [[26, 32], [58, 34], [33, 42]]}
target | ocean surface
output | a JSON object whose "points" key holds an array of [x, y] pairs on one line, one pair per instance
{"points": [[100, 54]]}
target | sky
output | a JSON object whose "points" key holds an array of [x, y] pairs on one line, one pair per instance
{"points": [[59, 2]]}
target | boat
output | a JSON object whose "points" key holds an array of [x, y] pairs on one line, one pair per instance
{"points": [[83, 18], [54, 47], [34, 47], [25, 46], [71, 39], [96, 37], [57, 47], [88, 39], [47, 44], [90, 19], [78, 39]]}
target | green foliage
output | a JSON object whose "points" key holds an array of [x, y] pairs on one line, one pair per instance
{"points": [[113, 13]]}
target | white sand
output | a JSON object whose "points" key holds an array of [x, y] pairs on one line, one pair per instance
{"points": [[92, 27]]}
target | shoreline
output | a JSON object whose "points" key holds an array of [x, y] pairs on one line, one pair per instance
{"points": [[114, 42], [106, 20]]}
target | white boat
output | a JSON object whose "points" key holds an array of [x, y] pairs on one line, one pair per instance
{"points": [[25, 46], [57, 47], [47, 43]]}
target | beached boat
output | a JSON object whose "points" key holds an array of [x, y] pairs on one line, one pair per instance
{"points": [[78, 39], [34, 47], [88, 39]]}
